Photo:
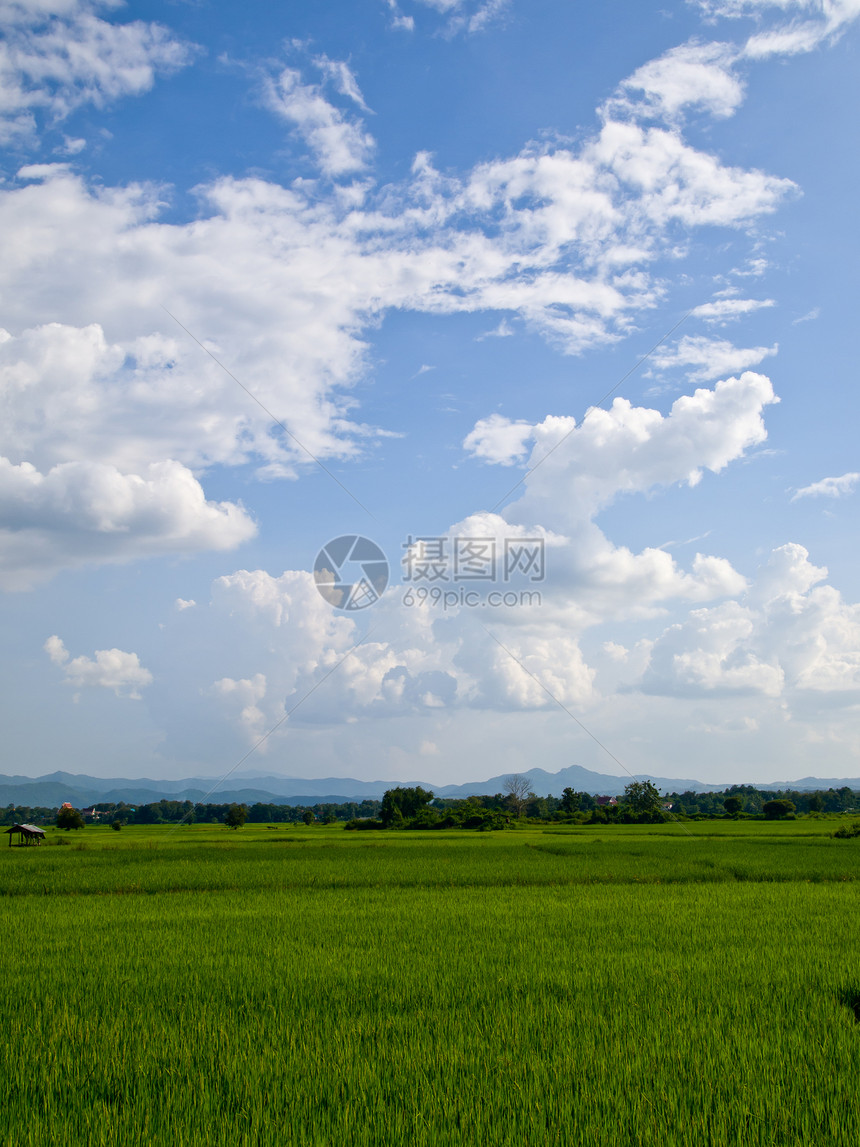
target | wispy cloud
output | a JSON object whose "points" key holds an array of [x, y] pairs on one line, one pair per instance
{"points": [[503, 331], [829, 487], [340, 143], [726, 310], [709, 358], [56, 57], [809, 317]]}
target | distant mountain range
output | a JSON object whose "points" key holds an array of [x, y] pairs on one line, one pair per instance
{"points": [[52, 790]]}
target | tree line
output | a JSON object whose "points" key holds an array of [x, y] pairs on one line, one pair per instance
{"points": [[416, 807], [640, 803]]}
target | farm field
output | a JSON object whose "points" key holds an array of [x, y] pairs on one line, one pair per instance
{"points": [[659, 984]]}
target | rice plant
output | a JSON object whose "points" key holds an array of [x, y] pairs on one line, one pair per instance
{"points": [[529, 988]]}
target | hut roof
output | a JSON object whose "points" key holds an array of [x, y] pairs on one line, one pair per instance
{"points": [[27, 829]]}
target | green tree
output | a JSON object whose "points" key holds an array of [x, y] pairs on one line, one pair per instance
{"points": [[642, 796], [570, 801], [776, 810], [403, 803], [236, 815], [538, 807], [308, 816], [815, 803], [69, 818], [733, 805]]}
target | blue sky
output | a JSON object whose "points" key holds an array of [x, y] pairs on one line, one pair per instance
{"points": [[429, 237]]}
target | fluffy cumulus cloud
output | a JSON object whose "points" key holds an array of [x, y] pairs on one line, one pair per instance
{"points": [[576, 471], [111, 669], [278, 640], [80, 513], [244, 695], [284, 640], [768, 645], [59, 54], [282, 284], [789, 636], [611, 208], [628, 449], [498, 439]]}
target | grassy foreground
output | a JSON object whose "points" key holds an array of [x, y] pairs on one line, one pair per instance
{"points": [[623, 986]]}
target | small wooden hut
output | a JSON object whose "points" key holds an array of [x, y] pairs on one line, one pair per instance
{"points": [[28, 833]]}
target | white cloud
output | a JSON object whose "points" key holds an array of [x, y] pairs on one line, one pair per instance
{"points": [[615, 651], [398, 20], [341, 145], [732, 9], [814, 22], [57, 56], [503, 331], [279, 629], [829, 487], [245, 694], [462, 15], [725, 310], [185, 603], [791, 636], [79, 513], [693, 75], [753, 269], [281, 284], [343, 78], [628, 449], [710, 358], [809, 317], [110, 669], [482, 17], [498, 440], [72, 146], [284, 638]]}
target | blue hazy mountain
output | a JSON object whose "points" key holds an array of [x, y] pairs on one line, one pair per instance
{"points": [[271, 788]]}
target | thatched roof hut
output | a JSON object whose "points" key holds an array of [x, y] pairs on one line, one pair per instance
{"points": [[29, 833]]}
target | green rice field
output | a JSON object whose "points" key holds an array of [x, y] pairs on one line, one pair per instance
{"points": [[663, 984]]}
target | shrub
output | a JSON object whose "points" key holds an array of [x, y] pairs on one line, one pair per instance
{"points": [[847, 831], [777, 809]]}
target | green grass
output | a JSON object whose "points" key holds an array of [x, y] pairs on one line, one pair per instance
{"points": [[622, 986]]}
